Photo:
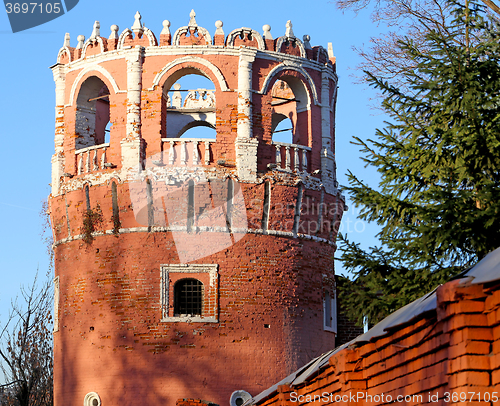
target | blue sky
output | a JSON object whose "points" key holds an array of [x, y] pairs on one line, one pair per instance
{"points": [[27, 103]]}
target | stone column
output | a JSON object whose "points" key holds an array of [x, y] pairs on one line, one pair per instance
{"points": [[246, 146], [59, 73], [131, 145], [328, 175]]}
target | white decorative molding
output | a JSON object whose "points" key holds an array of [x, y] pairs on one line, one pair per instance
{"points": [[291, 38], [245, 31], [298, 68], [205, 229], [92, 41], [56, 304], [127, 32], [192, 25], [62, 51], [193, 59]]}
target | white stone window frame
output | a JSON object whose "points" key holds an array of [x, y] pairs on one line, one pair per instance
{"points": [[332, 304], [187, 269]]}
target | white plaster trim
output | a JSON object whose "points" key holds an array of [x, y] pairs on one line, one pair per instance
{"points": [[211, 269], [96, 68], [296, 67], [334, 98], [90, 41], [56, 303], [214, 69], [153, 42], [123, 36], [185, 50], [167, 229], [280, 40], [64, 50], [183, 30], [233, 34]]}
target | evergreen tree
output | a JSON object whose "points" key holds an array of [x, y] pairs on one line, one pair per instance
{"points": [[439, 161]]}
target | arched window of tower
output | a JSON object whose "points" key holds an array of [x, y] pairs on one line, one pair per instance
{"points": [[282, 128], [189, 103], [92, 113], [285, 108]]}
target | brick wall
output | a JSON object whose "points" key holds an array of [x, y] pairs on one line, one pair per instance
{"points": [[447, 356]]}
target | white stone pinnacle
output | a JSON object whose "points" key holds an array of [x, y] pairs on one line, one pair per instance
{"points": [[330, 50], [219, 30], [66, 40], [307, 44], [267, 31], [114, 32], [289, 31], [166, 28], [96, 31], [192, 19], [81, 40], [137, 27]]}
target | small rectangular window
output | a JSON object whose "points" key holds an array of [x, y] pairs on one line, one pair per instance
{"points": [[330, 311], [189, 293]]}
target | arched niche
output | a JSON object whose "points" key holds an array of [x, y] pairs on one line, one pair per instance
{"points": [[92, 113]]}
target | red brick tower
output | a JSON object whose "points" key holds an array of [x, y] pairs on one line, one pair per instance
{"points": [[191, 267]]}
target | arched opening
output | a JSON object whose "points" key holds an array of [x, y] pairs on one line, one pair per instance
{"points": [[285, 113], [198, 129], [290, 103], [188, 297], [189, 105], [92, 113], [282, 128]]}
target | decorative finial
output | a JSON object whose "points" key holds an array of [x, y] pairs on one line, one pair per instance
{"points": [[307, 44], [137, 27], [66, 40], [267, 31], [192, 20], [166, 28], [96, 31], [219, 30], [81, 40], [330, 51], [114, 32], [289, 31]]}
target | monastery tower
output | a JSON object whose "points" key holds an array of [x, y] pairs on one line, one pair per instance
{"points": [[191, 267]]}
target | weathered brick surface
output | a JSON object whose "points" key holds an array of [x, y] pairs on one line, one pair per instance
{"points": [[450, 356], [268, 320]]}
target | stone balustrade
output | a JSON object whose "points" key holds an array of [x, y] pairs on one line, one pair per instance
{"points": [[91, 159], [292, 157], [186, 151]]}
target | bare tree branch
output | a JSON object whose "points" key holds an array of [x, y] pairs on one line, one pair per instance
{"points": [[26, 348]]}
